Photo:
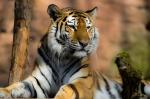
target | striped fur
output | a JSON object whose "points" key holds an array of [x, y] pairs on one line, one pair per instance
{"points": [[62, 66]]}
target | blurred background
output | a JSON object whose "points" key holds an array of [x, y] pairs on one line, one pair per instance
{"points": [[123, 25]]}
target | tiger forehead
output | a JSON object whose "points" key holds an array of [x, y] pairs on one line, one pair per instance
{"points": [[75, 17]]}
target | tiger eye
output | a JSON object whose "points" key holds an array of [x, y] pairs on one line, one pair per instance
{"points": [[72, 26]]}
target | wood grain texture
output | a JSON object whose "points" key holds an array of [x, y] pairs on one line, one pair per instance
{"points": [[20, 39]]}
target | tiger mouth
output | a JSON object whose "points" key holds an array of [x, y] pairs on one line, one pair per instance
{"points": [[80, 49], [75, 47]]}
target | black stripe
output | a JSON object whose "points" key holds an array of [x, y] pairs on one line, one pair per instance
{"points": [[46, 59], [61, 25], [66, 71], [71, 13], [61, 38], [75, 90], [40, 86], [118, 88], [84, 66], [73, 26], [85, 76], [60, 41], [47, 80], [65, 37], [94, 34], [44, 53], [44, 76], [82, 15], [64, 19], [74, 16], [142, 88], [69, 74], [31, 89], [98, 84], [108, 89], [56, 29], [35, 93]]}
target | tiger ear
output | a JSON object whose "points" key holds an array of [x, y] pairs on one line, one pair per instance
{"points": [[92, 12], [54, 11]]}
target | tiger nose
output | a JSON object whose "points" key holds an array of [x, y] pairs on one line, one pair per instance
{"points": [[83, 43]]}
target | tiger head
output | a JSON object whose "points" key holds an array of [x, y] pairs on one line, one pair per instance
{"points": [[72, 31]]}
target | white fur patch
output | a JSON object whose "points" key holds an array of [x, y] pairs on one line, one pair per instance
{"points": [[101, 94], [43, 82], [82, 73], [113, 89], [20, 91], [70, 18], [46, 70], [37, 88], [2, 95], [147, 90], [53, 44], [80, 54]]}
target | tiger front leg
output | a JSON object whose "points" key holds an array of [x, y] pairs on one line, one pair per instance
{"points": [[78, 90], [65, 92], [15, 90], [4, 93], [72, 92]]}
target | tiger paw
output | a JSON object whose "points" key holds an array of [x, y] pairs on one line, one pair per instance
{"points": [[4, 93], [16, 90], [65, 92], [20, 92]]}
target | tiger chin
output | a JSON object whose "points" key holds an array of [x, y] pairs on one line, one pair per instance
{"points": [[62, 66]]}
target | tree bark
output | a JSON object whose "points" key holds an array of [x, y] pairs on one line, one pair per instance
{"points": [[20, 39], [132, 79]]}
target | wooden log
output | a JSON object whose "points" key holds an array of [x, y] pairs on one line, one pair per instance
{"points": [[131, 78], [20, 39]]}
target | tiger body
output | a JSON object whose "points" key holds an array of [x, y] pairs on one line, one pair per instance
{"points": [[62, 67]]}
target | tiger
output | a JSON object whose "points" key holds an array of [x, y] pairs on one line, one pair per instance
{"points": [[62, 67]]}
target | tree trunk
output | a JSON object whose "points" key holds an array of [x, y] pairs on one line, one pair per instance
{"points": [[20, 39], [132, 79]]}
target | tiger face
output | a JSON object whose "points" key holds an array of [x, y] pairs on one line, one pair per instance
{"points": [[73, 30]]}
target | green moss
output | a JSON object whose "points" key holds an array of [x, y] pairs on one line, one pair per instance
{"points": [[125, 56]]}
